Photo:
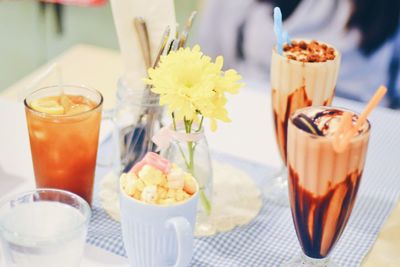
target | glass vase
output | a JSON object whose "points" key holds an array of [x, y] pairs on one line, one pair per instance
{"points": [[191, 153], [135, 118]]}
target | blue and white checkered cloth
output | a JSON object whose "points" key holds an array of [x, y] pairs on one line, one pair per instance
{"points": [[270, 239]]}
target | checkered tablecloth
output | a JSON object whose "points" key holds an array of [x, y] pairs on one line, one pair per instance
{"points": [[270, 238]]}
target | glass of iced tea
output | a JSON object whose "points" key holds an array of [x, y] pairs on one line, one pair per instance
{"points": [[63, 123]]}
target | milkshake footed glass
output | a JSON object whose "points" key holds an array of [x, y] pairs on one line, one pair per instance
{"points": [[323, 181], [299, 78]]}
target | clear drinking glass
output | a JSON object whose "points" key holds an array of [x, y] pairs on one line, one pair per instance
{"points": [[295, 85], [64, 146], [43, 227], [323, 184]]}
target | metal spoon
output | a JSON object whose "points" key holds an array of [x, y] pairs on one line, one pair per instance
{"points": [[143, 36], [184, 34]]}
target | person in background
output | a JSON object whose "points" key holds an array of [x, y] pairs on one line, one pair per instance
{"points": [[366, 32]]}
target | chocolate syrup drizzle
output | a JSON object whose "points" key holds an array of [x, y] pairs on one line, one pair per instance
{"points": [[310, 212], [327, 112], [305, 123], [297, 99]]}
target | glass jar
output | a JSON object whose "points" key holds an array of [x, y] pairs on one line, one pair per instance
{"points": [[191, 153], [136, 117]]}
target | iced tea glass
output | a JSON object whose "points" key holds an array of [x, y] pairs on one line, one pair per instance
{"points": [[323, 185], [294, 85], [64, 147]]}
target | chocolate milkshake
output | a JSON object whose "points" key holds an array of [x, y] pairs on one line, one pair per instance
{"points": [[323, 181], [304, 75]]}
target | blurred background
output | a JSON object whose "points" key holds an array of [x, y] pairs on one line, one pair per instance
{"points": [[34, 32], [366, 32]]}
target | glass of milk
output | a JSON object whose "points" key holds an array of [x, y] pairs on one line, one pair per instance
{"points": [[43, 227]]}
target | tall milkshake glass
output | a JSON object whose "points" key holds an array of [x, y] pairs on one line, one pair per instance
{"points": [[304, 75], [323, 181]]}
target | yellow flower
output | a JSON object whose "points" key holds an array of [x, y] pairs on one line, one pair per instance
{"points": [[191, 85]]}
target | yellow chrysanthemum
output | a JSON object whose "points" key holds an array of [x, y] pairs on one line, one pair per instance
{"points": [[191, 85]]}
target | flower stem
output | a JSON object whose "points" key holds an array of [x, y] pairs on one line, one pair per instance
{"points": [[179, 146], [200, 125], [191, 146], [188, 128], [204, 201]]}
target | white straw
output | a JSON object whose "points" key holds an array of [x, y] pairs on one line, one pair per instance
{"points": [[33, 85]]}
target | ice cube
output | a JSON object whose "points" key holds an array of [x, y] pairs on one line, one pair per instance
{"points": [[40, 135], [76, 109]]}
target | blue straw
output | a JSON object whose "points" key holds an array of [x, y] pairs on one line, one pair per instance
{"points": [[286, 38], [281, 36], [278, 29]]}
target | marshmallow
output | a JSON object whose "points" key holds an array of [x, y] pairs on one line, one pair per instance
{"points": [[131, 182], [171, 193], [189, 184], [154, 180], [154, 160], [162, 192], [140, 185], [179, 195], [137, 167], [175, 178], [150, 175], [149, 194]]}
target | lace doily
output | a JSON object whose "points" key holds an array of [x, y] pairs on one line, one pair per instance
{"points": [[236, 199]]}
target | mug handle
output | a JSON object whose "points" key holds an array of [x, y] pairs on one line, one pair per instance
{"points": [[184, 236]]}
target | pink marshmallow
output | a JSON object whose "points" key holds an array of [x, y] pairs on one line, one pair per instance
{"points": [[138, 166], [157, 162], [154, 160]]}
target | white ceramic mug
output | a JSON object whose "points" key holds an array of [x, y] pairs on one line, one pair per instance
{"points": [[158, 235]]}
